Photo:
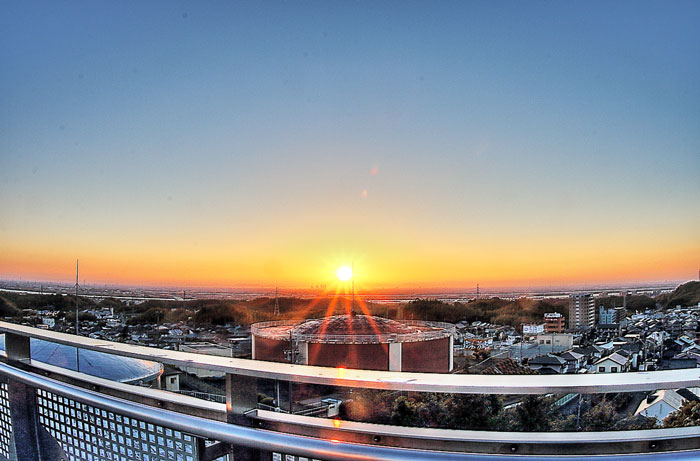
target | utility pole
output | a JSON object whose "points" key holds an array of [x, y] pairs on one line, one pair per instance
{"points": [[77, 323], [352, 278], [578, 413], [552, 342], [292, 348], [276, 312]]}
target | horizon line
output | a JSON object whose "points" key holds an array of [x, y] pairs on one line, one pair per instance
{"points": [[398, 289]]}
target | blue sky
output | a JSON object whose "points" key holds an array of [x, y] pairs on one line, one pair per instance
{"points": [[232, 132]]}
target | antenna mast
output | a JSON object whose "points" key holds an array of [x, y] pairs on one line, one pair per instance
{"points": [[352, 277], [77, 323], [277, 304]]}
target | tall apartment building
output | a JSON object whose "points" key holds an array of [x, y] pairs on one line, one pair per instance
{"points": [[581, 310], [553, 322]]}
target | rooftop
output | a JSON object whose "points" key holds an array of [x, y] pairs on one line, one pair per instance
{"points": [[351, 328], [99, 364]]}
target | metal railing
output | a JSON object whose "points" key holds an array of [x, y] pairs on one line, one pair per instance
{"points": [[241, 429], [387, 380], [204, 396]]}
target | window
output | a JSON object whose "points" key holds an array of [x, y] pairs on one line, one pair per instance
{"points": [[613, 369], [601, 369]]}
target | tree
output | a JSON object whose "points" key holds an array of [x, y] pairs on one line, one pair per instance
{"points": [[124, 335], [635, 423], [404, 412], [6, 309], [151, 316], [599, 418], [565, 424], [467, 411], [83, 317], [687, 415], [533, 414]]}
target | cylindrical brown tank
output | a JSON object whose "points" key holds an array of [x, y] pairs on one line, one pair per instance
{"points": [[357, 341]]}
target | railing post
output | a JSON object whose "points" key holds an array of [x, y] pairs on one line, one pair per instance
{"points": [[31, 441], [24, 424], [241, 396], [17, 347]]}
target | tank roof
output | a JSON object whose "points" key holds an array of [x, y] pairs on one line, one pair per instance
{"points": [[107, 366], [352, 325], [353, 329]]}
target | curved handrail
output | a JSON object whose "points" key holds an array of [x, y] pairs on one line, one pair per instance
{"points": [[419, 382], [332, 449]]}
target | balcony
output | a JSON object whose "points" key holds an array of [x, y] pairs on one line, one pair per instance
{"points": [[47, 412]]}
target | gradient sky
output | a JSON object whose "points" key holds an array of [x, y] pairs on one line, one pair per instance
{"points": [[267, 143]]}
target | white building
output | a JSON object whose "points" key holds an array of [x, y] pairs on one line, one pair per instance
{"points": [[533, 329], [207, 349], [613, 363], [50, 322], [660, 404], [558, 340]]}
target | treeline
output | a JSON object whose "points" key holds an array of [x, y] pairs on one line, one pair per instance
{"points": [[687, 294], [12, 304], [20, 301], [200, 311], [242, 312], [245, 312], [634, 303], [599, 412], [7, 309], [491, 310]]}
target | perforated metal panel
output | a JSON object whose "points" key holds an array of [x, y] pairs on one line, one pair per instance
{"points": [[88, 433], [5, 422]]}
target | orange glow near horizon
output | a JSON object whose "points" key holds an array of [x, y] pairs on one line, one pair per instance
{"points": [[382, 264], [400, 271]]}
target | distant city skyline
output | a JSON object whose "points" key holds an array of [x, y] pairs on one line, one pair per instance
{"points": [[432, 145], [384, 294]]}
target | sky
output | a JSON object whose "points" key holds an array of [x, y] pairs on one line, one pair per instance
{"points": [[429, 144]]}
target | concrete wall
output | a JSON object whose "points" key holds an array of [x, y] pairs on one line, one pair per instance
{"points": [[428, 356], [269, 349], [361, 356]]}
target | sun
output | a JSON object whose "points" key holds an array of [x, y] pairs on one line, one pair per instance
{"points": [[344, 273]]}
